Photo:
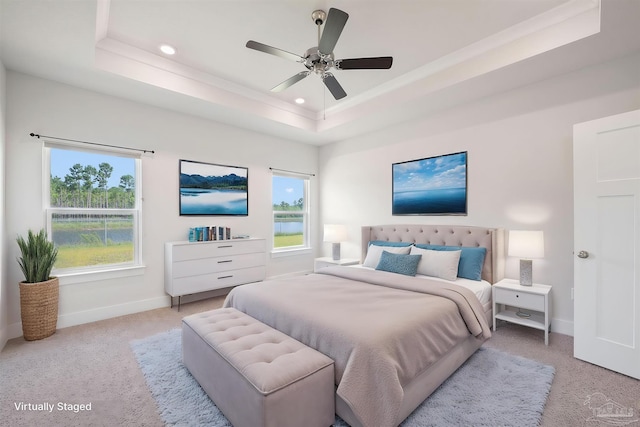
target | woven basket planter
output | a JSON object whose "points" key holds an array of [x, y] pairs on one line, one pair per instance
{"points": [[39, 308]]}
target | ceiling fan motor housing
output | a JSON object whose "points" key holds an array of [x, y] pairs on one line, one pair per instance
{"points": [[317, 62]]}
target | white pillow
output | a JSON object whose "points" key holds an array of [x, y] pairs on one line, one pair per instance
{"points": [[442, 264], [373, 253]]}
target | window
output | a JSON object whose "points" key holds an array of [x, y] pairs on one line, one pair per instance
{"points": [[290, 198], [93, 209]]}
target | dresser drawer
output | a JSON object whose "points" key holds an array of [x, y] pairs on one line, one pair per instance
{"points": [[202, 266], [218, 280], [201, 250], [519, 299]]}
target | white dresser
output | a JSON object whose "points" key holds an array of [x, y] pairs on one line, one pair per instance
{"points": [[192, 267]]}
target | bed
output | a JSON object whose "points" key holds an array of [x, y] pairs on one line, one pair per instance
{"points": [[394, 338]]}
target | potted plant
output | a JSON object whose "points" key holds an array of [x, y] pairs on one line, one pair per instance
{"points": [[39, 291]]}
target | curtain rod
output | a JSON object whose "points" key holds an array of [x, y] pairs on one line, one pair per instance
{"points": [[299, 173], [35, 135]]}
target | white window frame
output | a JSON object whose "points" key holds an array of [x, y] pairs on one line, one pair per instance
{"points": [[104, 271], [306, 218]]}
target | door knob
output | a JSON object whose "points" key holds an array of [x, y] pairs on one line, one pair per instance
{"points": [[583, 254]]}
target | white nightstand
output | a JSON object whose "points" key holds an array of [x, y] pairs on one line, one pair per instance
{"points": [[330, 262], [534, 301]]}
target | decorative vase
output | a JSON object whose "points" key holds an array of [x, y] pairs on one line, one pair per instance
{"points": [[39, 308]]}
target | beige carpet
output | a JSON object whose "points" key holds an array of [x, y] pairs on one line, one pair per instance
{"points": [[94, 364]]}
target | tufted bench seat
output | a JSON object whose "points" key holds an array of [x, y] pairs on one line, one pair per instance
{"points": [[258, 376]]}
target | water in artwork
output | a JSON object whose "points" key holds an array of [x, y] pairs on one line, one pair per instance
{"points": [[197, 201], [442, 201]]}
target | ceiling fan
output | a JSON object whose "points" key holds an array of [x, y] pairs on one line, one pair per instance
{"points": [[319, 59]]}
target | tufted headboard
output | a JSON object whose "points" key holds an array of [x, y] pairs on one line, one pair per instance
{"points": [[450, 235]]}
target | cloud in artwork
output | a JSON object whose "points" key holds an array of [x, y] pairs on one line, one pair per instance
{"points": [[436, 173]]}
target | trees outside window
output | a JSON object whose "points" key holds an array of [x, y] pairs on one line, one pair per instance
{"points": [[93, 210]]}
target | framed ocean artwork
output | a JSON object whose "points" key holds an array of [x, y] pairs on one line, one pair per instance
{"points": [[430, 186], [211, 189]]}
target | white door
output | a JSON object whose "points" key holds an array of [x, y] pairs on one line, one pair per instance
{"points": [[606, 155]]}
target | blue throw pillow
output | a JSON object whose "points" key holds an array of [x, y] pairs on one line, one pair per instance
{"points": [[471, 259], [398, 263], [386, 243]]}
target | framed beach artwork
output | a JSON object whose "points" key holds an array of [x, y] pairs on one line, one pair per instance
{"points": [[431, 186], [211, 189]]}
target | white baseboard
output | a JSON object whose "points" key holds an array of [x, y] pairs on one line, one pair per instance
{"points": [[14, 330], [87, 316], [561, 326], [4, 337], [103, 313]]}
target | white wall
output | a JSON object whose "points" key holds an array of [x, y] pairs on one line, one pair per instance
{"points": [[49, 108], [520, 175], [520, 172], [4, 284]]}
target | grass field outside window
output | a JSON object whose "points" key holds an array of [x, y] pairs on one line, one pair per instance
{"points": [[290, 212]]}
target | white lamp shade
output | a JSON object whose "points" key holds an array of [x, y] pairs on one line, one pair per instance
{"points": [[335, 233], [526, 244]]}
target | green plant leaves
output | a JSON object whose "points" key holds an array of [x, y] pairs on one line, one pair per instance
{"points": [[38, 256]]}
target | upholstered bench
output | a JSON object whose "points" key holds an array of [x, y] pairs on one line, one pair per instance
{"points": [[258, 376]]}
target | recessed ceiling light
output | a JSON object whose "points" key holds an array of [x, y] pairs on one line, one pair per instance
{"points": [[299, 100], [167, 50]]}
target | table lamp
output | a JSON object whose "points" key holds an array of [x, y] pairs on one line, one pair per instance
{"points": [[335, 234], [526, 245]]}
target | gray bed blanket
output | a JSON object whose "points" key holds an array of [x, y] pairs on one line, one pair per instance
{"points": [[381, 329]]}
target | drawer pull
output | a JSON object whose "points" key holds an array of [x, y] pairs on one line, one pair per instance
{"points": [[226, 260], [225, 246], [225, 277]]}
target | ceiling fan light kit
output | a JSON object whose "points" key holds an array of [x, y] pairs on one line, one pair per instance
{"points": [[320, 59]]}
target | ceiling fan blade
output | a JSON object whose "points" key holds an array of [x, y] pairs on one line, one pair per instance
{"points": [[290, 81], [334, 87], [336, 19], [274, 51], [380, 63]]}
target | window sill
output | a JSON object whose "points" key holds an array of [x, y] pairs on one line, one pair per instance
{"points": [[97, 275], [290, 252]]}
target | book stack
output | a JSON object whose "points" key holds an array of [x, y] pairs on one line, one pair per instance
{"points": [[205, 234]]}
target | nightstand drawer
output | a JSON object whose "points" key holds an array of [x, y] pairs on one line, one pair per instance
{"points": [[519, 299]]}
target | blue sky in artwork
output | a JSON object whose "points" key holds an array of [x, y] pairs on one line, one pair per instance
{"points": [[287, 189], [436, 173], [63, 160]]}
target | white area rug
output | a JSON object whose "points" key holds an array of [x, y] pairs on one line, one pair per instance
{"points": [[492, 388]]}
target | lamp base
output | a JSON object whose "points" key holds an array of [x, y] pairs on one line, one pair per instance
{"points": [[526, 272], [336, 251]]}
